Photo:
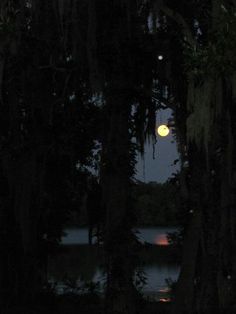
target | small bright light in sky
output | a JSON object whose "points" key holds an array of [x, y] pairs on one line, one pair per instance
{"points": [[160, 57], [163, 130]]}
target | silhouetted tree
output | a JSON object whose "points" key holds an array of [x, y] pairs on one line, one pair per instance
{"points": [[46, 138], [202, 87]]}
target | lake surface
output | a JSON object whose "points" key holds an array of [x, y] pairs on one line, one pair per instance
{"points": [[83, 263]]}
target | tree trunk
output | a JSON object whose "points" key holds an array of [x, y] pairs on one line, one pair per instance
{"points": [[115, 183], [213, 269]]}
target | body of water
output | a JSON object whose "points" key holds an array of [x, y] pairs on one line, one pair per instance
{"points": [[156, 235], [83, 263]]}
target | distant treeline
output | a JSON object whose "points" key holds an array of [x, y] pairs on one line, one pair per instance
{"points": [[155, 204]]}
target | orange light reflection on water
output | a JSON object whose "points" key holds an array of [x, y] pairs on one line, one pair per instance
{"points": [[164, 300], [164, 290], [161, 239]]}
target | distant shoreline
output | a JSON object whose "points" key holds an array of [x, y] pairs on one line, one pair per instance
{"points": [[74, 226]]}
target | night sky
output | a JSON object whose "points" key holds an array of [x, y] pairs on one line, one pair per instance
{"points": [[160, 168]]}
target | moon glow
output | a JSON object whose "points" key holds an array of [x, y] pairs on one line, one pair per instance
{"points": [[163, 130]]}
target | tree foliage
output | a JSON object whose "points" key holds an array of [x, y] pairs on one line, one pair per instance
{"points": [[79, 79], [156, 204]]}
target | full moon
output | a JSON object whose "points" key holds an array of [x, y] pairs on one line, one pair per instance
{"points": [[163, 130]]}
